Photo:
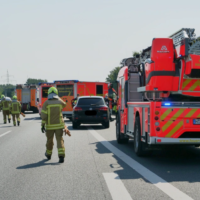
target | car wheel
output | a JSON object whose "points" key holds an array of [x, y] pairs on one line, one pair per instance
{"points": [[139, 146], [74, 125], [106, 124], [120, 136]]}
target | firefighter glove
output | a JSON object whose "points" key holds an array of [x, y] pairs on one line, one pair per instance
{"points": [[43, 129]]}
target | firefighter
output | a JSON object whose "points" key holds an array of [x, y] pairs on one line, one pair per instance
{"points": [[52, 118], [111, 96], [5, 106], [15, 110], [74, 101]]}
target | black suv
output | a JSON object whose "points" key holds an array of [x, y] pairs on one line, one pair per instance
{"points": [[90, 110]]}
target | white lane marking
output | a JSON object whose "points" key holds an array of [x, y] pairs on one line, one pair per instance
{"points": [[116, 187], [157, 181], [5, 133]]}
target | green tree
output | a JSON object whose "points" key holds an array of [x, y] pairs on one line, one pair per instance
{"points": [[112, 77], [35, 81], [136, 53], [7, 89]]}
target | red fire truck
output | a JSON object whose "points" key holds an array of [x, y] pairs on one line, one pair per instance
{"points": [[43, 94], [68, 90], [159, 92]]}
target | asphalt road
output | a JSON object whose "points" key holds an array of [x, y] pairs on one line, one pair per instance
{"points": [[95, 167]]}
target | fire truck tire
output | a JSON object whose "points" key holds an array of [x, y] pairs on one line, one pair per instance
{"points": [[139, 146], [120, 136]]}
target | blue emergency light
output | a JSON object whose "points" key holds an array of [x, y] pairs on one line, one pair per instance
{"points": [[167, 104]]}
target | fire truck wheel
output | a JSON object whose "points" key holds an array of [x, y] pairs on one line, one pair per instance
{"points": [[138, 144], [120, 136]]}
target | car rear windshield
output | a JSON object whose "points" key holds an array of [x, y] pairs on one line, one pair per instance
{"points": [[91, 101]]}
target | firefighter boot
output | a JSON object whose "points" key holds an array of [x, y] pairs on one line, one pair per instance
{"points": [[14, 123], [61, 159], [18, 122], [48, 156], [9, 120]]}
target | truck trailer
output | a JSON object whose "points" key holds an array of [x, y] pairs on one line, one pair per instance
{"points": [[159, 94], [28, 97]]}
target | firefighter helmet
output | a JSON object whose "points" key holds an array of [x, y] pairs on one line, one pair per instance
{"points": [[14, 97], [52, 90], [52, 93]]}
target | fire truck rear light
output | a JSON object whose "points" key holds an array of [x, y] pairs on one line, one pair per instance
{"points": [[158, 140], [158, 129], [78, 109], [156, 118], [157, 112]]}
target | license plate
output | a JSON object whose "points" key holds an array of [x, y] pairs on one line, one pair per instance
{"points": [[196, 121]]}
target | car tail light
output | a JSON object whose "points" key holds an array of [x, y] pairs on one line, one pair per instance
{"points": [[78, 109], [40, 105], [103, 108]]}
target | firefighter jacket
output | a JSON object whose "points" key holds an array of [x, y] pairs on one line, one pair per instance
{"points": [[51, 114], [5, 104], [15, 107]]}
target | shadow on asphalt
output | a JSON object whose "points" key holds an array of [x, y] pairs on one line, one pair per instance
{"points": [[6, 126], [86, 127], [38, 164], [172, 163], [33, 118]]}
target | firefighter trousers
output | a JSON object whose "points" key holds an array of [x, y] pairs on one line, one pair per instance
{"points": [[60, 142], [6, 113], [14, 116]]}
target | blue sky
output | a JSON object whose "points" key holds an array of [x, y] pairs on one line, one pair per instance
{"points": [[84, 40]]}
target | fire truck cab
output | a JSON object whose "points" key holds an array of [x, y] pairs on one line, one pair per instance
{"points": [[158, 94]]}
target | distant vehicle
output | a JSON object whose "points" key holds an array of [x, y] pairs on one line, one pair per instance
{"points": [[28, 97], [90, 110], [43, 94], [69, 89]]}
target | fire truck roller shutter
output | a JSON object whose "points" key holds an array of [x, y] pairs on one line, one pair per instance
{"points": [[133, 84]]}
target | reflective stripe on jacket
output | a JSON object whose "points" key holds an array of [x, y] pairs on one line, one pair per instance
{"points": [[51, 114], [15, 107], [5, 105]]}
